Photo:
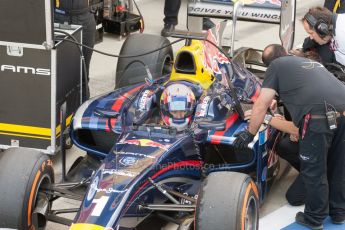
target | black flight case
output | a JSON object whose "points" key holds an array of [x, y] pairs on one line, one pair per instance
{"points": [[40, 75]]}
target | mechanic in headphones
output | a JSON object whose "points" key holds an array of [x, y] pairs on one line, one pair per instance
{"points": [[77, 12], [323, 27], [326, 54]]}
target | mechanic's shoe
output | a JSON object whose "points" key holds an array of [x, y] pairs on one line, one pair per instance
{"points": [[168, 30], [338, 220], [300, 219], [207, 24]]}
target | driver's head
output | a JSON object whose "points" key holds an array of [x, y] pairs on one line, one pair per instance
{"points": [[177, 104], [272, 52]]}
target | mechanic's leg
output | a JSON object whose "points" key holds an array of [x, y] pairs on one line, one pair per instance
{"points": [[171, 9], [313, 155], [288, 150], [295, 195], [336, 174]]}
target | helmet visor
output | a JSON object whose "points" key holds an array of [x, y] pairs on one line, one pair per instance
{"points": [[178, 104]]}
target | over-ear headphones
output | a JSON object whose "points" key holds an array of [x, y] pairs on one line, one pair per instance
{"points": [[321, 27]]}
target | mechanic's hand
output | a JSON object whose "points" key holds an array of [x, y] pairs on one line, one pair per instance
{"points": [[293, 138], [243, 138], [279, 116]]}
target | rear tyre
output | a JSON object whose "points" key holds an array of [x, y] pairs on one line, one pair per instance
{"points": [[227, 200], [23, 173], [131, 71]]}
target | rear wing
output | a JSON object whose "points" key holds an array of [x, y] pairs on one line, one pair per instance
{"points": [[281, 12], [253, 10]]}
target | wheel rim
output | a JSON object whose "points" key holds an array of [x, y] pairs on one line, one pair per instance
{"points": [[251, 214]]}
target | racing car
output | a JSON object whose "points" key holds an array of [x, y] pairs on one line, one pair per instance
{"points": [[159, 146], [169, 150]]}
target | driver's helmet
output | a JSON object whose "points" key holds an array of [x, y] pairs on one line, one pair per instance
{"points": [[177, 104]]}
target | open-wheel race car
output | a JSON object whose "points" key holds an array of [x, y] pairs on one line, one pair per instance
{"points": [[166, 145], [165, 139], [160, 146]]}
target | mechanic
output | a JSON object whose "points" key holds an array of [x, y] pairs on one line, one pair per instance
{"points": [[325, 27], [77, 12], [326, 54], [171, 9], [302, 85], [287, 148]]}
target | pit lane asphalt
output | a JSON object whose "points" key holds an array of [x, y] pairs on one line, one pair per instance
{"points": [[102, 79]]}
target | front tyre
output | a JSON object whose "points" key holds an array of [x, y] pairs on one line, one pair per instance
{"points": [[227, 200], [23, 173]]}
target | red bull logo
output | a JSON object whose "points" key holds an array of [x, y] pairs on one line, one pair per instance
{"points": [[212, 55], [147, 143]]}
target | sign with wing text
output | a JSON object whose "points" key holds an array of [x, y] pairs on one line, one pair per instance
{"points": [[253, 10]]}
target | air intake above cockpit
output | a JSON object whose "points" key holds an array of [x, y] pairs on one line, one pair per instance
{"points": [[185, 63]]}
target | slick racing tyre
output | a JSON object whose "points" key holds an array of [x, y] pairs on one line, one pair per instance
{"points": [[227, 200], [131, 70], [23, 173]]}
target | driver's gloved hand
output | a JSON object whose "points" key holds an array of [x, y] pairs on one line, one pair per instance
{"points": [[243, 138]]}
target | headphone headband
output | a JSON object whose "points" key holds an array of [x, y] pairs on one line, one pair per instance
{"points": [[321, 27], [310, 19]]}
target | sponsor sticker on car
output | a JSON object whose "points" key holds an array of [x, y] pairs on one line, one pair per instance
{"points": [[128, 161], [146, 143]]}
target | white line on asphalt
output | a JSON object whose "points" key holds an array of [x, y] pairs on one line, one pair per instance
{"points": [[280, 218]]}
